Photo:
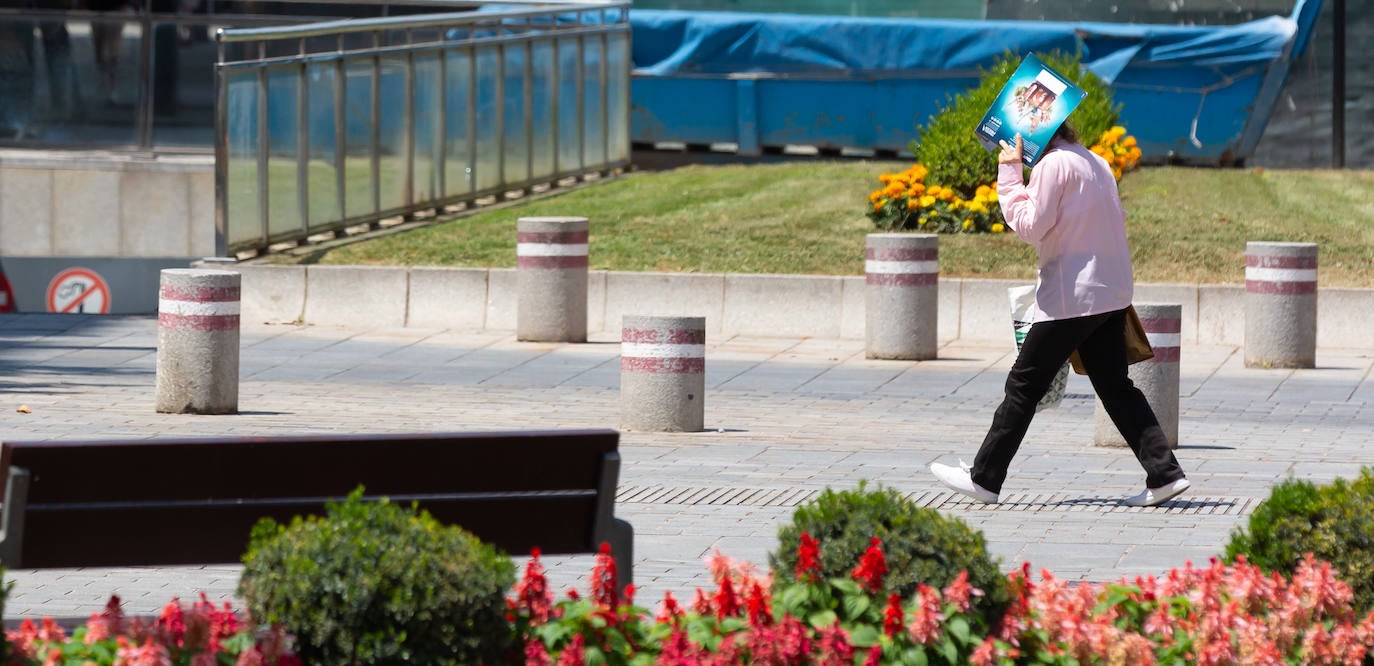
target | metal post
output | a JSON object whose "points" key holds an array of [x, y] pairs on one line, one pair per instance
{"points": [[221, 150], [527, 89], [472, 119], [408, 125], [375, 150], [145, 82], [303, 142], [341, 131], [263, 149], [500, 106], [1338, 85]]}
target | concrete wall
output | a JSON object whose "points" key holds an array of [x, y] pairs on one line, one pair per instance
{"points": [[746, 305], [91, 204]]}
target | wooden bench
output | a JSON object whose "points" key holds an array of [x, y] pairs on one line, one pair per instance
{"points": [[195, 501]]}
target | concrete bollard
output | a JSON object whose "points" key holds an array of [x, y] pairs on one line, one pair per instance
{"points": [[902, 297], [1157, 378], [551, 276], [663, 373], [1280, 305], [198, 341]]}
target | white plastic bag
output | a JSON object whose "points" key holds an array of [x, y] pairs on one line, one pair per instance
{"points": [[1022, 316]]}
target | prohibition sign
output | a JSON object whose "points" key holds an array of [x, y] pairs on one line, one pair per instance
{"points": [[78, 290]]}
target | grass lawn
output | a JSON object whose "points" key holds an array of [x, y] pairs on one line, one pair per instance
{"points": [[1186, 225]]}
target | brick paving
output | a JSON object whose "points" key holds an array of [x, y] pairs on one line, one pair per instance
{"points": [[785, 419]]}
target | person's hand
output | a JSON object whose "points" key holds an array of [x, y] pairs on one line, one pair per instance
{"points": [[1011, 152]]}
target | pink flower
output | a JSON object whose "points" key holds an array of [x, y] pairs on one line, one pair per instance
{"points": [[875, 656], [149, 654], [808, 559], [925, 622], [171, 623], [958, 592], [985, 654], [872, 567]]}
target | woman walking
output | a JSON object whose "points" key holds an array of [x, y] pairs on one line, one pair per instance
{"points": [[1071, 212]]}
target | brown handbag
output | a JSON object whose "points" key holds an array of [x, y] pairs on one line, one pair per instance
{"points": [[1137, 344]]}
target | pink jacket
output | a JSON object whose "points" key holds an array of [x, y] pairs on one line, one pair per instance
{"points": [[1071, 213]]}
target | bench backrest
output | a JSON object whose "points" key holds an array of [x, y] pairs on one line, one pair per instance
{"points": [[194, 501]]}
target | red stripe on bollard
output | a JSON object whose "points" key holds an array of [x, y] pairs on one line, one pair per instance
{"points": [[198, 322], [199, 294], [1162, 325], [683, 366], [553, 237], [902, 279], [1165, 355], [901, 254], [675, 336], [1283, 261], [552, 261], [1281, 288]]}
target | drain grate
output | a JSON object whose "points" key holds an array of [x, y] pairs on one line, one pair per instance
{"points": [[1033, 502]]}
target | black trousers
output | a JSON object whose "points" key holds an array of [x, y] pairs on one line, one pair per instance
{"points": [[1100, 341]]}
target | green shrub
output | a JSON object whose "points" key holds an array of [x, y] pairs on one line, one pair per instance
{"points": [[377, 583], [956, 158], [1333, 522], [921, 545]]}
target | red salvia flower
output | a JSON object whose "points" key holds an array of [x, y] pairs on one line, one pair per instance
{"points": [[872, 567], [701, 604], [808, 559], [670, 611], [894, 620], [760, 615], [875, 656], [575, 654], [604, 584], [536, 654], [532, 593], [725, 601], [834, 647], [171, 624]]}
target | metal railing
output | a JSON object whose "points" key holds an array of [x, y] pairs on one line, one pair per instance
{"points": [[330, 125]]}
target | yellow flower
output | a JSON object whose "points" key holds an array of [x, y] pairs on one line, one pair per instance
{"points": [[978, 207], [1117, 132], [916, 190], [947, 194], [894, 190], [1116, 171], [982, 191], [885, 178], [992, 196], [913, 204], [917, 172], [878, 205], [927, 201], [875, 195], [1129, 142], [997, 228], [968, 224], [934, 190]]}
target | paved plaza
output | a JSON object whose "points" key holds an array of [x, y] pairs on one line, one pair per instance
{"points": [[785, 419]]}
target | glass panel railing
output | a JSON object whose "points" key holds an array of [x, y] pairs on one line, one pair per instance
{"points": [[283, 136], [358, 127], [325, 162], [393, 126], [393, 116], [244, 220], [459, 122], [543, 113], [427, 119]]}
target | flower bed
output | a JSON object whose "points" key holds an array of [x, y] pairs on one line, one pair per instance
{"points": [[1214, 615]]}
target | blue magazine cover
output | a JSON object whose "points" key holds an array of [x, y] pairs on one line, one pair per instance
{"points": [[1034, 103]]}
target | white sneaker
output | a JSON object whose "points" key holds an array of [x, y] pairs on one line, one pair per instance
{"points": [[1160, 495], [958, 478]]}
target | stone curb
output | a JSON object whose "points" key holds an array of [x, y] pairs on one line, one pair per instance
{"points": [[816, 306]]}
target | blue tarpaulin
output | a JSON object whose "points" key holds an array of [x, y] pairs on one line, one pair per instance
{"points": [[1194, 93]]}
